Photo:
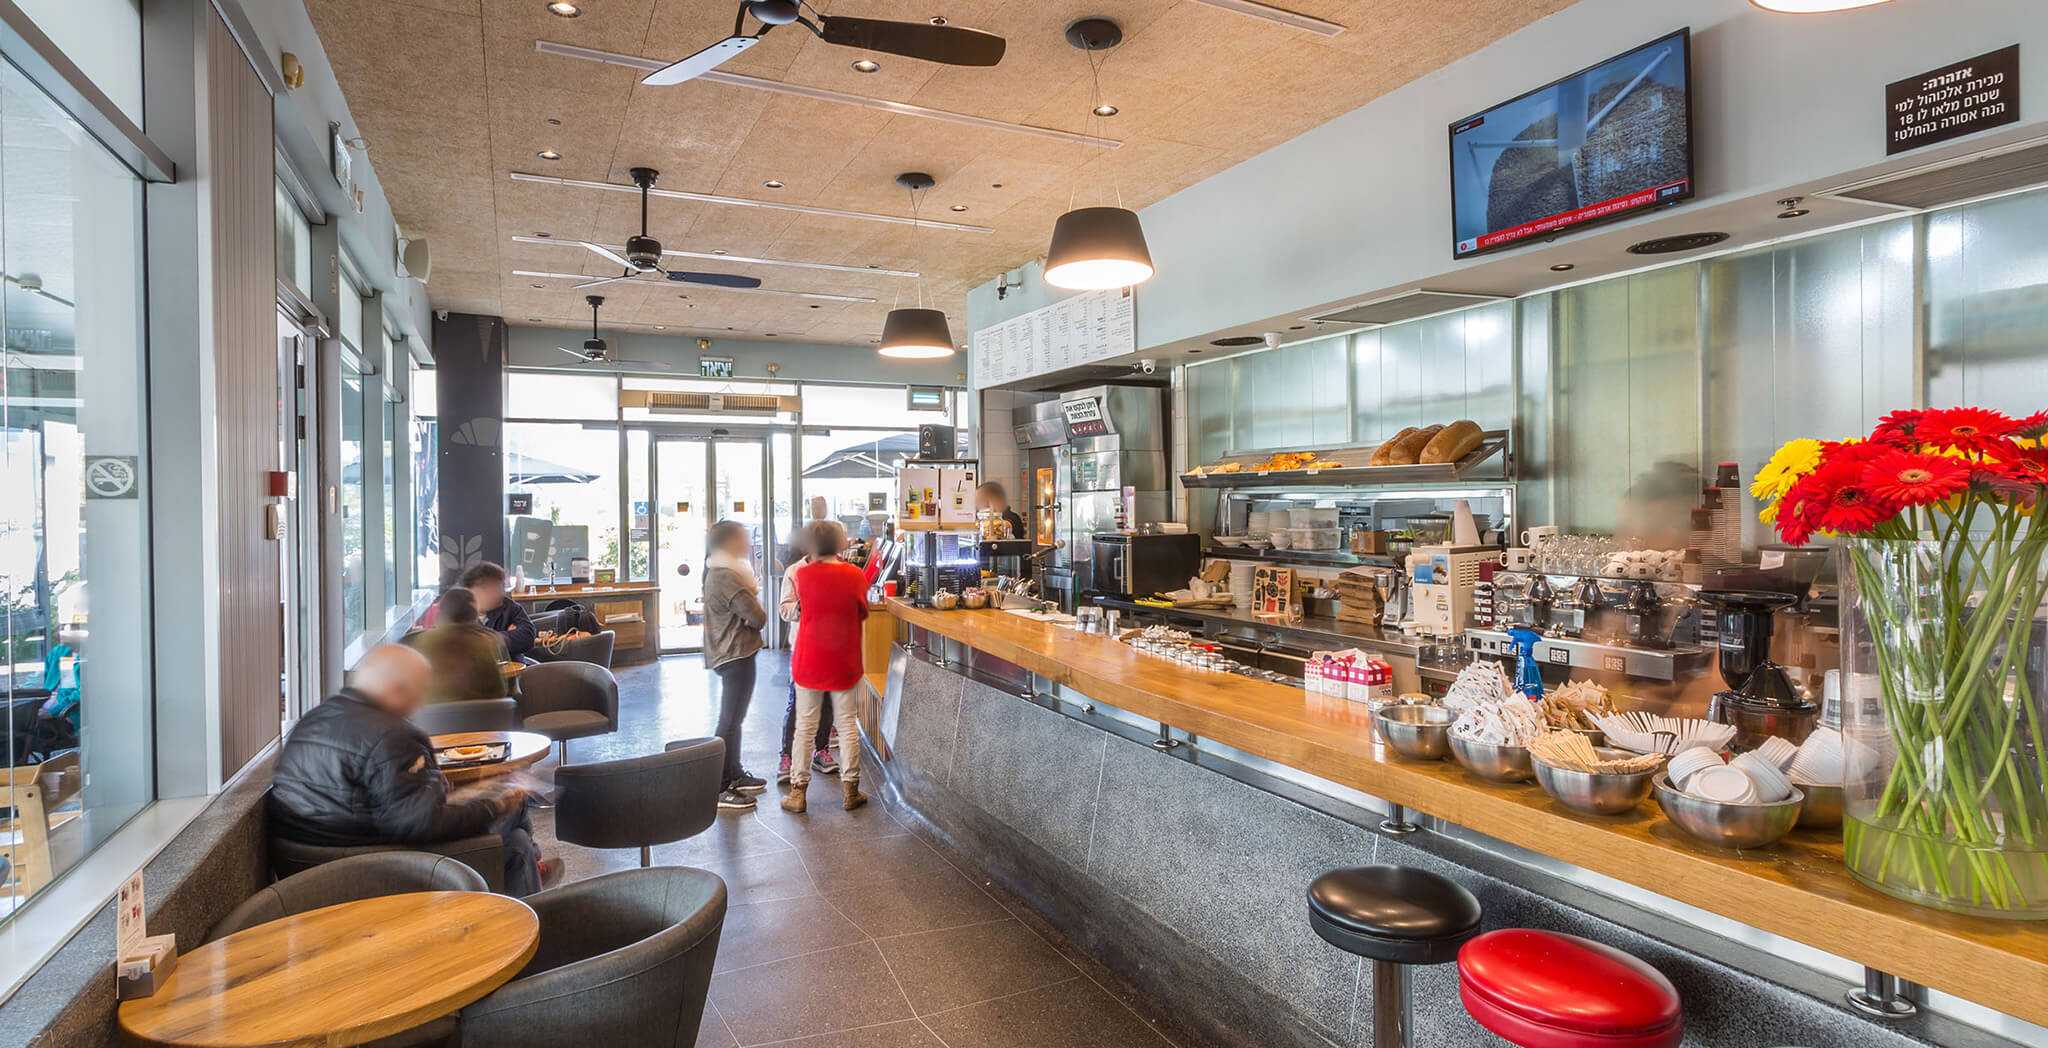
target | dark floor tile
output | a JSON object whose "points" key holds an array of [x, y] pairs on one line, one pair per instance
{"points": [[910, 1034], [895, 857], [759, 932], [711, 1032], [838, 989], [764, 877], [826, 822], [960, 966], [1073, 1014], [929, 900]]}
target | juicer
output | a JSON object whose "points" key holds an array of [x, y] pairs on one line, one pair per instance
{"points": [[1760, 701]]}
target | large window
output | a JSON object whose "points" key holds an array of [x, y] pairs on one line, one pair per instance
{"points": [[393, 413], [74, 493], [572, 472], [426, 478], [354, 594]]}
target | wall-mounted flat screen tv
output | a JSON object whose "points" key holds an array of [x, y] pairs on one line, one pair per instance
{"points": [[1600, 144]]}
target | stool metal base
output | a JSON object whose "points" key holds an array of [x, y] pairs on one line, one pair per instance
{"points": [[1397, 822], [1393, 1014], [1882, 996]]}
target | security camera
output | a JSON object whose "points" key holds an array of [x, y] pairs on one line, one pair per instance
{"points": [[441, 315], [1272, 340], [1148, 366]]}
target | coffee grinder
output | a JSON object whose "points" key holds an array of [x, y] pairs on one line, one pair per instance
{"points": [[1760, 701]]}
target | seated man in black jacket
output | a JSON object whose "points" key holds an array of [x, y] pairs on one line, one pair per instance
{"points": [[356, 771], [501, 613]]}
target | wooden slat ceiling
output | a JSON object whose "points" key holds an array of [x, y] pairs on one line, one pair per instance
{"points": [[452, 97]]}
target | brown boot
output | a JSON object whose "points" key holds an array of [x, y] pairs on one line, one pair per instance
{"points": [[794, 803], [854, 798]]}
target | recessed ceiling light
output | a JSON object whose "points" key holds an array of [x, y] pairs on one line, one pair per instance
{"points": [[1812, 7], [938, 19], [1794, 212], [533, 320], [1194, 352], [541, 235], [1105, 109], [773, 183], [865, 65], [1296, 327], [718, 251], [959, 207], [995, 185], [563, 9], [552, 122], [539, 285], [872, 265], [767, 334], [548, 154], [1562, 267], [661, 327], [814, 305]]}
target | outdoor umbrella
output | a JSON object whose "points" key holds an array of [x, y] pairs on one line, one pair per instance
{"points": [[872, 459], [527, 471]]}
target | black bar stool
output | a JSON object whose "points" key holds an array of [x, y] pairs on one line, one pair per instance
{"points": [[1397, 916]]}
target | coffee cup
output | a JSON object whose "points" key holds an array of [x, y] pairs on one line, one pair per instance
{"points": [[1518, 558], [1539, 535]]}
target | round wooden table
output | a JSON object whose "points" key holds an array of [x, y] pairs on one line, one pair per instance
{"points": [[339, 975], [525, 747], [512, 669]]}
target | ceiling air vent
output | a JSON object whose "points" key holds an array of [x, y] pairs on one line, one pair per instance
{"points": [[1405, 306], [1233, 341], [662, 402], [1989, 173], [1679, 242]]}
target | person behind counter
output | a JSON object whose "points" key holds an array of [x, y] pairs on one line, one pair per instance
{"points": [[464, 655], [996, 501], [825, 661], [733, 617]]}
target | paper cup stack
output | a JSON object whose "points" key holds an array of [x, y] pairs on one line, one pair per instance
{"points": [[1818, 761]]}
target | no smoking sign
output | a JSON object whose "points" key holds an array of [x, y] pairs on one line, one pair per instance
{"points": [[111, 477]]}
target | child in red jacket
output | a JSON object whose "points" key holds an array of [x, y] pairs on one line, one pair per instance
{"points": [[825, 663]]}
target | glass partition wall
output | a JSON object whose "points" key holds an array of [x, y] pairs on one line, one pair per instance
{"points": [[639, 487]]}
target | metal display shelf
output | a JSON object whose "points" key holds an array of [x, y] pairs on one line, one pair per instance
{"points": [[1667, 664], [1353, 471], [1338, 558]]}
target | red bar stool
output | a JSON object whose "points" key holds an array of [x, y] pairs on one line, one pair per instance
{"points": [[1396, 916], [1548, 990]]}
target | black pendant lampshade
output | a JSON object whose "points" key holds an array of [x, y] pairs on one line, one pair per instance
{"points": [[916, 334], [1097, 247]]}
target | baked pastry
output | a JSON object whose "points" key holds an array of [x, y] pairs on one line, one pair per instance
{"points": [[1454, 442], [1382, 457], [1409, 450]]}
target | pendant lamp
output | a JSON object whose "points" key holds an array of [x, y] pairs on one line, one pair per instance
{"points": [[1096, 248], [916, 333], [1813, 7]]}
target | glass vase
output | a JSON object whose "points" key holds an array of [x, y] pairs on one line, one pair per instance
{"points": [[1944, 698]]}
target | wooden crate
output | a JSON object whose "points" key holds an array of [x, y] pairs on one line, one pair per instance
{"points": [[626, 618]]}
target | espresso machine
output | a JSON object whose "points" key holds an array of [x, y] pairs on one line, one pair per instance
{"points": [[1760, 701]]}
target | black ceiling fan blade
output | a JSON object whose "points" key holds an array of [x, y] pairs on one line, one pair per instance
{"points": [[952, 45], [715, 279]]}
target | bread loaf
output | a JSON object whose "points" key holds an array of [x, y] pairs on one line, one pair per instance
{"points": [[1457, 440], [1409, 450], [1380, 457]]}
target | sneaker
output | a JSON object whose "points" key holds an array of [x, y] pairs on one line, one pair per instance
{"points": [[748, 782], [551, 870], [823, 763], [730, 799], [782, 773]]}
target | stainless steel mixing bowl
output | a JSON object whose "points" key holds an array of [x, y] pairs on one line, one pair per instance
{"points": [[1421, 733], [1728, 825], [1596, 794], [1490, 761], [1823, 807]]}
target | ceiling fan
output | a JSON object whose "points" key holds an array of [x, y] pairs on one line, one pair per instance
{"points": [[950, 45], [643, 252], [596, 354]]}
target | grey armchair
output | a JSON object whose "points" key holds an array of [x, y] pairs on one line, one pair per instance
{"points": [[348, 880], [595, 648], [568, 700], [484, 854], [351, 879], [450, 718], [624, 958], [640, 802]]}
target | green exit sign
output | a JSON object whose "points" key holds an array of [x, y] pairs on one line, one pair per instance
{"points": [[714, 367]]}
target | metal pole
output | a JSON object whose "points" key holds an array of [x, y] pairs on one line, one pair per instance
{"points": [[1391, 1015], [1882, 996], [1397, 822]]}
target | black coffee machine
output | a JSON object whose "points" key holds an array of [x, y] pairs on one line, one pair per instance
{"points": [[1760, 701]]}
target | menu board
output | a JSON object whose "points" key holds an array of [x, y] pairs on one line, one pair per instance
{"points": [[1079, 329]]}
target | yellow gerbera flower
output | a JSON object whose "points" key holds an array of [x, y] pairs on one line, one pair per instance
{"points": [[1793, 461]]}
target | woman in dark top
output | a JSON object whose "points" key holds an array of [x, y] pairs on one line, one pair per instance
{"points": [[466, 655]]}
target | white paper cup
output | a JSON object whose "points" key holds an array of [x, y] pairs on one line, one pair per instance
{"points": [[1689, 762], [1771, 784], [1778, 751]]}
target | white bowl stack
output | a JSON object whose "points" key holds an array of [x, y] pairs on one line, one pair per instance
{"points": [[1779, 751], [1772, 785], [1818, 761], [1241, 583]]}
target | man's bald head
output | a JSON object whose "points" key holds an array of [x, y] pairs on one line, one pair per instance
{"points": [[394, 677]]}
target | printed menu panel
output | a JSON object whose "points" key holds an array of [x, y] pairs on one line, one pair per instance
{"points": [[1079, 329]]}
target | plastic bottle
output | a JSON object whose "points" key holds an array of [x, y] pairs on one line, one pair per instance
{"points": [[1528, 678]]}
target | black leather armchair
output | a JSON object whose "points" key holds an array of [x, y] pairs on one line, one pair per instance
{"points": [[640, 802], [568, 700], [484, 854], [624, 958], [450, 718]]}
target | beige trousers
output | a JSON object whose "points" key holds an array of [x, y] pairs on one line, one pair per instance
{"points": [[810, 703]]}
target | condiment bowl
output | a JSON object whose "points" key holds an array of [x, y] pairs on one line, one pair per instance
{"points": [[1596, 793], [1725, 824], [1420, 733], [1500, 763], [1823, 807]]}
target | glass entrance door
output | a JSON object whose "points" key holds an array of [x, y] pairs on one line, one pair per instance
{"points": [[697, 482]]}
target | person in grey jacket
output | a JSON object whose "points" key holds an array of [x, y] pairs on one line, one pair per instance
{"points": [[733, 617]]}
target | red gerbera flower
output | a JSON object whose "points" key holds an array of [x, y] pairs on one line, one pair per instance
{"points": [[1841, 502], [1967, 429], [2027, 464], [1852, 452], [1797, 518], [1898, 427], [2033, 427], [1998, 483], [1906, 478]]}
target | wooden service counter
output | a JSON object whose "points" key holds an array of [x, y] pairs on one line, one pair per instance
{"points": [[1797, 889], [631, 610]]}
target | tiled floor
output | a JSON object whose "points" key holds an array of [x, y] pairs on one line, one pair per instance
{"points": [[847, 929]]}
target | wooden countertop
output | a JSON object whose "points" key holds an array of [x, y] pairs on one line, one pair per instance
{"points": [[1797, 888]]}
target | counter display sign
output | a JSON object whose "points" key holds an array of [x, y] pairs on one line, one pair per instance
{"points": [[1960, 99], [1084, 418], [1079, 329]]}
